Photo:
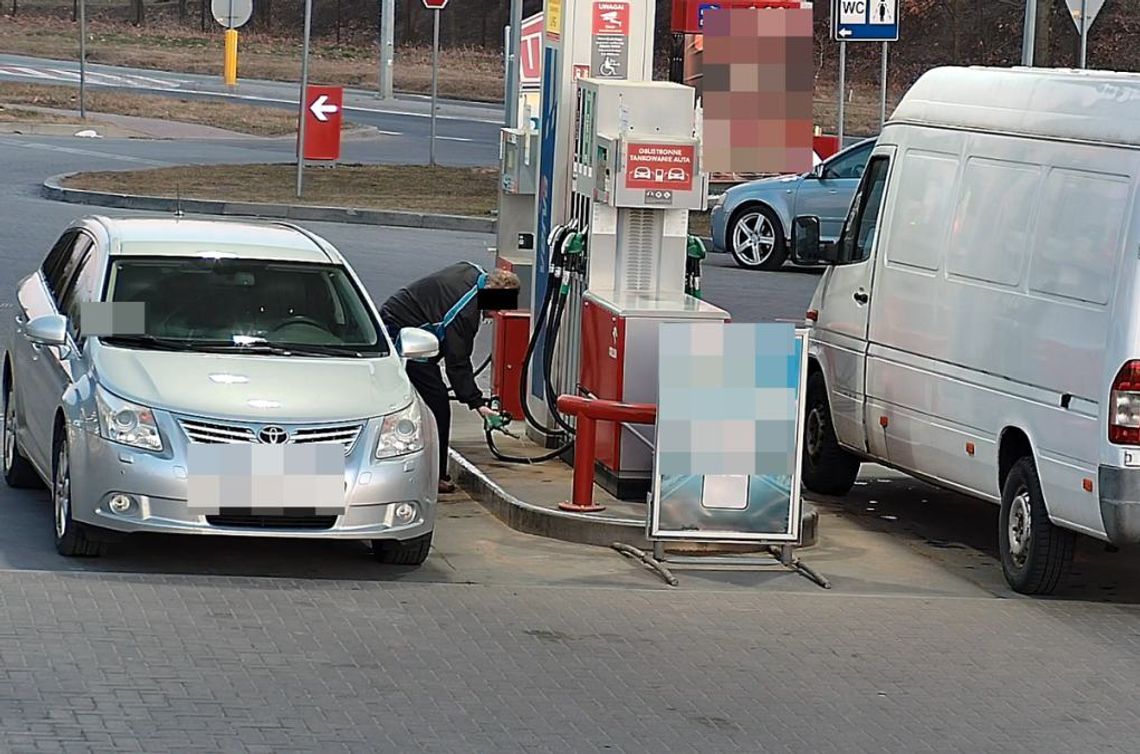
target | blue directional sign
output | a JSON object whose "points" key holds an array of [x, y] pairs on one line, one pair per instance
{"points": [[865, 20], [701, 12]]}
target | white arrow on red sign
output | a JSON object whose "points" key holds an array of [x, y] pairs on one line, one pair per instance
{"points": [[322, 110]]}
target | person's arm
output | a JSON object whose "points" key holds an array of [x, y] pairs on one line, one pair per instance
{"points": [[457, 348]]}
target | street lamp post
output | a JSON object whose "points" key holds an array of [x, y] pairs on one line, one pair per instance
{"points": [[301, 97], [83, 59]]}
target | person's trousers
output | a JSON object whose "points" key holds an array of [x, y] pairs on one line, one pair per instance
{"points": [[428, 382]]}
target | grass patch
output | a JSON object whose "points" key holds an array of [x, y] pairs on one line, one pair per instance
{"points": [[471, 192], [247, 119], [412, 188], [18, 115]]}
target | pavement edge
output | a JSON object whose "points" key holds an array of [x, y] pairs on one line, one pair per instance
{"points": [[54, 190], [581, 528]]}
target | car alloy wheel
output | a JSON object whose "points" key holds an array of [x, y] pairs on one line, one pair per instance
{"points": [[753, 238], [61, 492], [9, 431]]}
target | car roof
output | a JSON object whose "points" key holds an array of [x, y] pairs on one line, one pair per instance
{"points": [[179, 237]]}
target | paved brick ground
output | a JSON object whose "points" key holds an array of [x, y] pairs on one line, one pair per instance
{"points": [[150, 663]]}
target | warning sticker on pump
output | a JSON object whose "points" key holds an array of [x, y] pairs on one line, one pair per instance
{"points": [[660, 166]]}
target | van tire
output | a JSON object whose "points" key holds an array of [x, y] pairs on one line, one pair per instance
{"points": [[827, 468], [1036, 558], [755, 216]]}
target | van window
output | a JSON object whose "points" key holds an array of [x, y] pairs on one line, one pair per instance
{"points": [[1076, 247], [990, 237], [922, 208], [859, 231]]}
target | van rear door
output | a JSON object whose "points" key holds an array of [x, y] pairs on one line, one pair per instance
{"points": [[844, 304]]}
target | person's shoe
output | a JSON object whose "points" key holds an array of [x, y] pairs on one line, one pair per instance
{"points": [[446, 487]]}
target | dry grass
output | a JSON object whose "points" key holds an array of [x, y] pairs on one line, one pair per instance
{"points": [[411, 188], [19, 115], [248, 119], [466, 74]]}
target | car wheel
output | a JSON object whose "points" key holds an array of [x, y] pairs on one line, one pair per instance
{"points": [[756, 239], [827, 468], [70, 536], [18, 471], [1035, 553], [413, 552]]}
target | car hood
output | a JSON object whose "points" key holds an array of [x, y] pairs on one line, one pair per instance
{"points": [[254, 387]]}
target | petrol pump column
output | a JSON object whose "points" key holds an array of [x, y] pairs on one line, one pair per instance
{"points": [[638, 159]]}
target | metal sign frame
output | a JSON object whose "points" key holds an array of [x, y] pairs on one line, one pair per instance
{"points": [[794, 534], [866, 30]]}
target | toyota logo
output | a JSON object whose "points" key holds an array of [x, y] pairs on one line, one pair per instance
{"points": [[273, 435]]}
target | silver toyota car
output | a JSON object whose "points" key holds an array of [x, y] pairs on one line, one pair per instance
{"points": [[206, 377]]}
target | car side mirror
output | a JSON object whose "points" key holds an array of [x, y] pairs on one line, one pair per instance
{"points": [[47, 330], [806, 247], [819, 172], [416, 343]]}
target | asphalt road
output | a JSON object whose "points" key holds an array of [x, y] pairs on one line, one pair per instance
{"points": [[508, 643]]}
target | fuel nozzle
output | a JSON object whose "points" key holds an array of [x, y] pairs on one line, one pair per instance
{"points": [[498, 421], [574, 249], [694, 252], [696, 248]]}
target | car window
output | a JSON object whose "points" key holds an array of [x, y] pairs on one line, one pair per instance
{"points": [[850, 165], [68, 270], [222, 301], [863, 220], [84, 286], [55, 261]]}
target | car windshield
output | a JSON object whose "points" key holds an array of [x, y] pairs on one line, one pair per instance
{"points": [[243, 304]]}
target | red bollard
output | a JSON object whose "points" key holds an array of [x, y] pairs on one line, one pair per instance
{"points": [[589, 411]]}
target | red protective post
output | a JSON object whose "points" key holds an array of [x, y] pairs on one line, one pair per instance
{"points": [[589, 411]]}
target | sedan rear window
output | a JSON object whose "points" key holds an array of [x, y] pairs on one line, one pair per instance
{"points": [[242, 301]]}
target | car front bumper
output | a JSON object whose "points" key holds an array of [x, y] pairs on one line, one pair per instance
{"points": [[158, 487], [718, 219]]}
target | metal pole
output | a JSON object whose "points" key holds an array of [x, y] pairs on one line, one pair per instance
{"points": [[883, 99], [83, 59], [301, 98], [514, 69], [842, 87], [387, 47], [1084, 34], [507, 76], [1029, 38], [434, 81]]}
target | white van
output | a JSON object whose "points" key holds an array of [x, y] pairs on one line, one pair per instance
{"points": [[978, 325]]}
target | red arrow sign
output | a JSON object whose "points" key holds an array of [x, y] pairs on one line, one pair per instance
{"points": [[435, 4], [323, 106]]}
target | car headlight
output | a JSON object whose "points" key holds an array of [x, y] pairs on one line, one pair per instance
{"points": [[127, 423], [716, 202], [401, 433]]}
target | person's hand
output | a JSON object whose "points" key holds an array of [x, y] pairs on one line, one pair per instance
{"points": [[487, 411]]}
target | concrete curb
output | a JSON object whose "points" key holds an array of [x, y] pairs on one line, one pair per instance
{"points": [[581, 528], [54, 189]]}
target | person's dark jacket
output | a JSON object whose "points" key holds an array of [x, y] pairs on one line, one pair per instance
{"points": [[426, 301]]}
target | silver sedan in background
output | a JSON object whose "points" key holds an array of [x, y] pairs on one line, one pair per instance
{"points": [[753, 221], [205, 377]]}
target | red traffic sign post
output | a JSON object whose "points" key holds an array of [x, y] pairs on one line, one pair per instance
{"points": [[435, 4], [323, 118]]}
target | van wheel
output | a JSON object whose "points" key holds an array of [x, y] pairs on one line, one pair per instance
{"points": [[756, 239], [1035, 554], [827, 468]]}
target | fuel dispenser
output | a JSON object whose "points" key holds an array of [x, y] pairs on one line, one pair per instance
{"points": [[636, 177]]}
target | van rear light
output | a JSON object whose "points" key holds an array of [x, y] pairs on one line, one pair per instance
{"points": [[1124, 406]]}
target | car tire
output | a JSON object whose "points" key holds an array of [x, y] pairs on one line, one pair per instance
{"points": [[71, 537], [756, 222], [827, 468], [18, 470], [413, 552], [1035, 553]]}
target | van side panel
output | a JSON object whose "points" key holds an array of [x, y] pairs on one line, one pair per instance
{"points": [[992, 307]]}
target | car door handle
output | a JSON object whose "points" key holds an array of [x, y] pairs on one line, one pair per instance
{"points": [[861, 297], [21, 319]]}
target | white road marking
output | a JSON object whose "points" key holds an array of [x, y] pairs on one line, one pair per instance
{"points": [[83, 152]]}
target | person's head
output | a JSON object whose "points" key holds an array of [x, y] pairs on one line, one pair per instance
{"points": [[500, 292]]}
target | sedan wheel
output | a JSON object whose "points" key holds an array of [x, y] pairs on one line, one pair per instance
{"points": [[756, 242], [70, 537], [18, 471]]}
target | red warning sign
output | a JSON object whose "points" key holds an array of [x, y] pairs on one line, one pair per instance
{"points": [[660, 166], [611, 19]]}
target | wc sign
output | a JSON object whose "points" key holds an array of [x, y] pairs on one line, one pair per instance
{"points": [[865, 20]]}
